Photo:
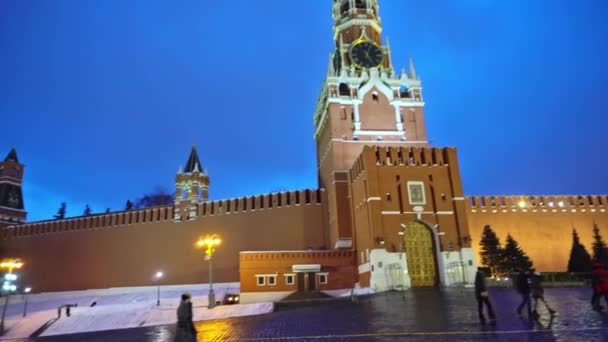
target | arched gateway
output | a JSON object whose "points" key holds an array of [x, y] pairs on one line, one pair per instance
{"points": [[420, 254]]}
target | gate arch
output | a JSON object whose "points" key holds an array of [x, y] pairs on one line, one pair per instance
{"points": [[420, 254]]}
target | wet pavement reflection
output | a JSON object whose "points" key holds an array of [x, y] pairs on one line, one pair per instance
{"points": [[414, 315]]}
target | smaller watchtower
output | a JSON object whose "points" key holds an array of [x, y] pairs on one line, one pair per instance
{"points": [[11, 197], [191, 188]]}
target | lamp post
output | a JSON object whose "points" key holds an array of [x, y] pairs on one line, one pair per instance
{"points": [[25, 292], [209, 243], [158, 275], [7, 286]]}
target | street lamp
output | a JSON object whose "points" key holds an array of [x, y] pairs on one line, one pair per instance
{"points": [[157, 276], [25, 292], [7, 286], [209, 243]]}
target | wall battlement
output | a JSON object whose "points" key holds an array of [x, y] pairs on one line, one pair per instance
{"points": [[123, 218], [164, 213], [548, 204], [405, 156], [288, 255], [261, 202]]}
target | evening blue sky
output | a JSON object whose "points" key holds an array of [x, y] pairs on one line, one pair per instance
{"points": [[103, 99]]}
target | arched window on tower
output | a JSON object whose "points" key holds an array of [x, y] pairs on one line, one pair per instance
{"points": [[345, 7], [184, 193], [360, 4], [403, 92], [344, 89]]}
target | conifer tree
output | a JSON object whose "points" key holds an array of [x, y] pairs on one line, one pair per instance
{"points": [[129, 205], [513, 257], [580, 260], [61, 211], [87, 210], [599, 246], [490, 249]]}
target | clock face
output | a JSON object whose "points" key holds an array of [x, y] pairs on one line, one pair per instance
{"points": [[366, 54]]}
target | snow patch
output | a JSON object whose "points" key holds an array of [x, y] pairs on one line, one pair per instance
{"points": [[117, 308]]}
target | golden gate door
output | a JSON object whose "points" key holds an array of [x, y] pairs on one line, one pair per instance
{"points": [[420, 255]]}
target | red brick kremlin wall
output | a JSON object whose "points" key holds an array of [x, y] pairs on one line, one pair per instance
{"points": [[540, 224], [126, 248]]}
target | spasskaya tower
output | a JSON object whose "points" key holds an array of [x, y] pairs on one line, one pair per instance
{"points": [[364, 101]]}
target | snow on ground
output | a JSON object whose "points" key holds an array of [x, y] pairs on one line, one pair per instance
{"points": [[118, 308], [138, 315], [358, 291]]}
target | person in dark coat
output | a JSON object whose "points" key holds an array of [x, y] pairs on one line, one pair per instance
{"points": [[523, 288], [538, 293], [482, 296], [599, 283], [185, 331]]}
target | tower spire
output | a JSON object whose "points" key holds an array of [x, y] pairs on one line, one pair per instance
{"points": [[332, 69], [412, 70], [12, 156], [193, 161], [389, 56], [341, 51]]}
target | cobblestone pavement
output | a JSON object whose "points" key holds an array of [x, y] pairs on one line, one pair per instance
{"points": [[415, 315]]}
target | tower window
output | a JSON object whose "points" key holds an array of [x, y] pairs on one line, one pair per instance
{"points": [[375, 96], [360, 4], [344, 89], [343, 114], [403, 92], [345, 7]]}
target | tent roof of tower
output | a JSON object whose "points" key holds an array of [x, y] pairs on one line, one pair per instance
{"points": [[193, 161], [12, 156]]}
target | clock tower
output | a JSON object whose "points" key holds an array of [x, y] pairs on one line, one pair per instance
{"points": [[363, 101]]}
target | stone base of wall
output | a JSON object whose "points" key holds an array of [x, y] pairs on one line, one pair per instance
{"points": [[258, 297]]}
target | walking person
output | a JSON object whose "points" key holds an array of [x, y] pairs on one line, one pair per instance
{"points": [[523, 288], [185, 332], [538, 293], [482, 296], [599, 283]]}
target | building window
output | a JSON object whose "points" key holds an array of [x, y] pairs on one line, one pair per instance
{"points": [[260, 280], [289, 279], [322, 278], [272, 280], [375, 97]]}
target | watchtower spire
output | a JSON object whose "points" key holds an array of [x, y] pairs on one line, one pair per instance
{"points": [[12, 156], [193, 161]]}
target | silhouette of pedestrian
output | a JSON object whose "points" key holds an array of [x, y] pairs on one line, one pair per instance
{"points": [[523, 288], [538, 293], [185, 331], [599, 282], [482, 296]]}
